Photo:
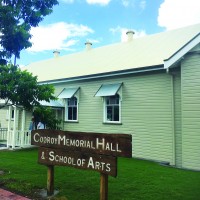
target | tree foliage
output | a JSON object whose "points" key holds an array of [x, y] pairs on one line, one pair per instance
{"points": [[19, 87], [16, 19], [47, 116]]}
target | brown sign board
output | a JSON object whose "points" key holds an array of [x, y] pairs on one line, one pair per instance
{"points": [[101, 163], [95, 143]]}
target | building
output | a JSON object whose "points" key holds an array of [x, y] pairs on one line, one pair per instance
{"points": [[148, 87]]}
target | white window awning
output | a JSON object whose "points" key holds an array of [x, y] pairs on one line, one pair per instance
{"points": [[52, 103], [68, 93], [108, 90]]}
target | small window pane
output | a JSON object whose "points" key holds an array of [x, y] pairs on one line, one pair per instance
{"points": [[116, 113], [72, 102], [109, 113], [70, 113], [113, 100], [74, 114]]}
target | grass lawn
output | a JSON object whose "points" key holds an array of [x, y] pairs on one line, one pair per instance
{"points": [[136, 180]]}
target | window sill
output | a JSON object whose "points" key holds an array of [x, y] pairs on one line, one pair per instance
{"points": [[71, 121], [112, 123]]}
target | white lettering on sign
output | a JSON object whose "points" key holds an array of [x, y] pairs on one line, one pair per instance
{"points": [[98, 165], [45, 140], [100, 144], [80, 162], [42, 157]]}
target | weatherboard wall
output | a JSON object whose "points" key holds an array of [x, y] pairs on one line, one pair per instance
{"points": [[177, 119], [146, 113], [190, 84], [3, 118]]}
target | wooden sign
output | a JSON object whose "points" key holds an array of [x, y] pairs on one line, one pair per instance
{"points": [[97, 143], [101, 163], [91, 151]]}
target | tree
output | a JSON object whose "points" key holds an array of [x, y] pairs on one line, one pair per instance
{"points": [[16, 19], [20, 88], [47, 117]]}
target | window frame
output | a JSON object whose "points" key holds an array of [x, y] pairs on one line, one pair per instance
{"points": [[105, 112], [67, 109]]}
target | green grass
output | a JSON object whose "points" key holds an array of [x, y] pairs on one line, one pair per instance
{"points": [[136, 180]]}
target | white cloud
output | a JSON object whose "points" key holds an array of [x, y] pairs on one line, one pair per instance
{"points": [[101, 2], [178, 13], [122, 31], [57, 36]]}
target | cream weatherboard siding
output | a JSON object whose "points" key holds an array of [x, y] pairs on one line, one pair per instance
{"points": [[177, 119], [190, 84], [3, 118], [146, 113]]}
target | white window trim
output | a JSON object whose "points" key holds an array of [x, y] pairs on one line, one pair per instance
{"points": [[66, 109], [105, 111]]}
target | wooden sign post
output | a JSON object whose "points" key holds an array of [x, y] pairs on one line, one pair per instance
{"points": [[50, 180], [90, 151], [103, 186]]}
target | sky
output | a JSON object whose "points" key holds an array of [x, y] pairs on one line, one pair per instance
{"points": [[104, 22]]}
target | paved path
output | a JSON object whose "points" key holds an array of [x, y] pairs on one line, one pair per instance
{"points": [[6, 195]]}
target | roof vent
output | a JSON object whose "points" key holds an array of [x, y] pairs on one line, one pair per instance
{"points": [[130, 35], [88, 46], [56, 53]]}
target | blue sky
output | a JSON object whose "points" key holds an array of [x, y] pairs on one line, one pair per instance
{"points": [[103, 22]]}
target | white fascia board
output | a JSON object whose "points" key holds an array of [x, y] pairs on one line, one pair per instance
{"points": [[179, 54]]}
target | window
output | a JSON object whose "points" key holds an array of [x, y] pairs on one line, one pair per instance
{"points": [[112, 96], [12, 114], [70, 96], [72, 109], [112, 109]]}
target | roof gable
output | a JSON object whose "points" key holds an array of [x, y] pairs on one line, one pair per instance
{"points": [[181, 52]]}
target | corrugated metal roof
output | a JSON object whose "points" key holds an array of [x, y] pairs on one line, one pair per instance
{"points": [[142, 52]]}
